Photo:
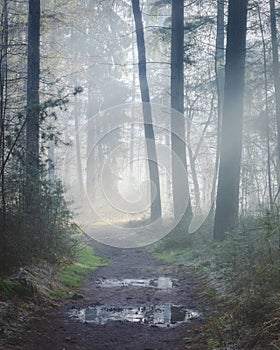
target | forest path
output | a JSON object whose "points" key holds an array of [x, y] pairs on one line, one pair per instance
{"points": [[56, 330]]}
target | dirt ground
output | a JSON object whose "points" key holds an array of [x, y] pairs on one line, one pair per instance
{"points": [[55, 330]]}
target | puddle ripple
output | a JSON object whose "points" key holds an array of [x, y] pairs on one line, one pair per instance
{"points": [[159, 283], [164, 315]]}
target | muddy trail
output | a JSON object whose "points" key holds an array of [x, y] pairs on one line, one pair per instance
{"points": [[135, 302]]}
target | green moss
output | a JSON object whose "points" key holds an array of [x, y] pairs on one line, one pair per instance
{"points": [[73, 275]]}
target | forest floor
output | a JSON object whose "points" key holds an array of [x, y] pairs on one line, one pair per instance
{"points": [[56, 329]]}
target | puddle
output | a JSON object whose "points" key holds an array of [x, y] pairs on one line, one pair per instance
{"points": [[159, 283], [164, 315]]}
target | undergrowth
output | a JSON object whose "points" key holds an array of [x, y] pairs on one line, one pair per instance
{"points": [[45, 282], [244, 273], [73, 275], [48, 233], [35, 287]]}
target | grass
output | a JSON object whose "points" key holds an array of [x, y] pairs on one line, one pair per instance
{"points": [[74, 274], [41, 288], [43, 281], [9, 289], [243, 276], [177, 257]]}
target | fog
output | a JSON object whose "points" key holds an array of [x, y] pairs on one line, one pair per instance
{"points": [[103, 162], [115, 186]]}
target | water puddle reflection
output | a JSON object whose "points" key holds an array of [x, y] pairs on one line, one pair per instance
{"points": [[163, 315], [159, 283]]}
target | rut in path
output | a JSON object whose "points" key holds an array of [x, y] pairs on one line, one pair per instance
{"points": [[56, 330]]}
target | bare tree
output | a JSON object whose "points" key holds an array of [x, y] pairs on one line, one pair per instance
{"points": [[147, 114]]}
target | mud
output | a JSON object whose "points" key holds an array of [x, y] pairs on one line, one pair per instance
{"points": [[134, 315]]}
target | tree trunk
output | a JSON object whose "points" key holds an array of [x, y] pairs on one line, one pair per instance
{"points": [[147, 114], [180, 182], [51, 159], [267, 132], [76, 112], [3, 102], [220, 80], [33, 108], [220, 54], [132, 126], [276, 77], [92, 110], [226, 215]]}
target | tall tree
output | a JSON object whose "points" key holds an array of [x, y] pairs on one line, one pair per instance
{"points": [[3, 105], [147, 114], [226, 215], [276, 78], [179, 181], [76, 113], [220, 78], [267, 131], [33, 106], [219, 54]]}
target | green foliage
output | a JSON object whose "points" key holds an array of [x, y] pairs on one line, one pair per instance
{"points": [[7, 289], [42, 282], [72, 275], [12, 289], [58, 235], [48, 233], [244, 270], [45, 231], [181, 246]]}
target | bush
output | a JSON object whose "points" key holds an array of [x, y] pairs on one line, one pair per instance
{"points": [[245, 273], [49, 233]]}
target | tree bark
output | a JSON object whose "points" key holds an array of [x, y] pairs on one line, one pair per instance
{"points": [[220, 54], [220, 80], [33, 107], [147, 114], [226, 215], [78, 150], [3, 106]]}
